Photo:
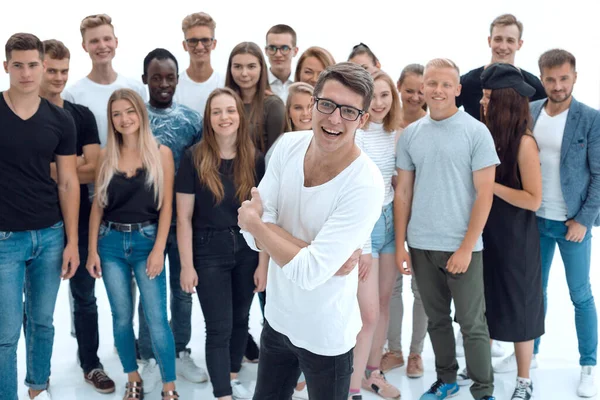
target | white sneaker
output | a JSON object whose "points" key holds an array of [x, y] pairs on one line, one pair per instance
{"points": [[460, 349], [239, 392], [462, 379], [187, 368], [150, 375], [509, 364], [497, 349], [587, 387]]}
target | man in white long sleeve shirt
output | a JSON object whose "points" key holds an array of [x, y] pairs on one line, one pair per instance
{"points": [[319, 201]]}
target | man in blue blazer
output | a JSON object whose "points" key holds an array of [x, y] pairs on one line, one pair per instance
{"points": [[568, 134]]}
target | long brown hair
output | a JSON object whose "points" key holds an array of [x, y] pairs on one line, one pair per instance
{"points": [[257, 107], [207, 158], [508, 119]]}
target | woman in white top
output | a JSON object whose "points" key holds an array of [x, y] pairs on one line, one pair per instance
{"points": [[413, 108], [377, 270]]}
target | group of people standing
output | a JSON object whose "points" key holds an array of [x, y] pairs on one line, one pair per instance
{"points": [[105, 179]]}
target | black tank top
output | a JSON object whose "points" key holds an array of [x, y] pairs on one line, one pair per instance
{"points": [[130, 200]]}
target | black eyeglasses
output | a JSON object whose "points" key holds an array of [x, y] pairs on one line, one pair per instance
{"points": [[193, 42], [272, 50], [348, 113]]}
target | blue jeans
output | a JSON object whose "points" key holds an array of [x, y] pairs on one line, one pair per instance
{"points": [[31, 260], [122, 253], [383, 236], [576, 258], [181, 306]]}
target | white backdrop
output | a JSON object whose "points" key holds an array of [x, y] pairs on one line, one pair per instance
{"points": [[399, 32]]}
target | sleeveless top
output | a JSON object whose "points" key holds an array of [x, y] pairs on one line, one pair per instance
{"points": [[130, 200]]}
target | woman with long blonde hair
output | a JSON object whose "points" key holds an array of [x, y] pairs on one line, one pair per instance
{"points": [[311, 63], [214, 178], [129, 224]]}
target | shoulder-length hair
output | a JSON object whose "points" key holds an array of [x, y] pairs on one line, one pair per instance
{"points": [[257, 106], [392, 120], [295, 88], [508, 119], [207, 155], [147, 146], [319, 53]]}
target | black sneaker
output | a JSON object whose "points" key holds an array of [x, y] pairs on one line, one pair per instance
{"points": [[251, 354], [523, 390], [488, 398]]}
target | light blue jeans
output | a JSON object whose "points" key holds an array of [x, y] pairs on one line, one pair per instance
{"points": [[576, 258], [30, 262], [122, 253]]}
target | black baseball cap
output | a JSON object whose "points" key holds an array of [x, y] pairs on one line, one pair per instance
{"points": [[502, 75]]}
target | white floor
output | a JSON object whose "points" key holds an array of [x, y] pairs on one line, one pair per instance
{"points": [[556, 378]]}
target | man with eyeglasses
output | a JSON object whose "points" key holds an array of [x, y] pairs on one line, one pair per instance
{"points": [[280, 49], [199, 79], [312, 213]]}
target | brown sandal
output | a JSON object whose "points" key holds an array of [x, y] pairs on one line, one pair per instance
{"points": [[170, 395], [134, 391]]}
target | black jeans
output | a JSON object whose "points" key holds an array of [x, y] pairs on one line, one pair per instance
{"points": [[327, 377], [225, 266], [85, 313]]}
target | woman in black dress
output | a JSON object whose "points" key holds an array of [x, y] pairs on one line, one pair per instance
{"points": [[511, 256]]}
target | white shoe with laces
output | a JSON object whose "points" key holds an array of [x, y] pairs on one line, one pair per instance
{"points": [[187, 368], [239, 392], [587, 386], [509, 364], [150, 376]]}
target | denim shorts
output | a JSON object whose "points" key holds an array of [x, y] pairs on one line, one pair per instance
{"points": [[383, 237]]}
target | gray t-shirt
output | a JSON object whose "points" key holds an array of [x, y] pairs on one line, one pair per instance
{"points": [[444, 155]]}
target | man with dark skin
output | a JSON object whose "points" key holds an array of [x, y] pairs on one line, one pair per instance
{"points": [[177, 127]]}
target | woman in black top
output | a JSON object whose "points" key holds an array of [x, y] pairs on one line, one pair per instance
{"points": [[214, 178], [511, 257], [129, 224]]}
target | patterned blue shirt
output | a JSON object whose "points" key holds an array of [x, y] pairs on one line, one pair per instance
{"points": [[177, 127]]}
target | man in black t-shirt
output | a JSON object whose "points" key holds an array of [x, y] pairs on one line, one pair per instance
{"points": [[56, 74], [33, 254], [504, 41]]}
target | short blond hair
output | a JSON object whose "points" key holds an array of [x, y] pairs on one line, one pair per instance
{"points": [[198, 19], [442, 63], [94, 21], [507, 20]]}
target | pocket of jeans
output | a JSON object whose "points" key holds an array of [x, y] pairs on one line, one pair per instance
{"points": [[103, 231], [149, 232], [201, 239], [5, 235], [58, 225]]}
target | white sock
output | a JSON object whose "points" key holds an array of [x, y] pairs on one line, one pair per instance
{"points": [[524, 380]]}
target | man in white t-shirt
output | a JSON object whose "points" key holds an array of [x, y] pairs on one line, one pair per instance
{"points": [[319, 201], [280, 49], [199, 79], [94, 90], [568, 135]]}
